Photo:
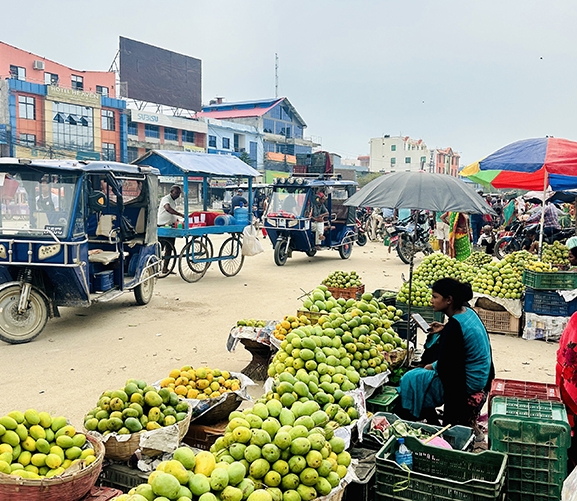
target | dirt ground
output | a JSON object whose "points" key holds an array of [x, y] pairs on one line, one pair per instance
{"points": [[87, 351]]}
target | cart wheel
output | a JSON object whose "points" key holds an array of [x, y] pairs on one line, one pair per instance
{"points": [[189, 270], [346, 250], [311, 253], [18, 328], [208, 244], [143, 291], [280, 252], [232, 246], [168, 257]]}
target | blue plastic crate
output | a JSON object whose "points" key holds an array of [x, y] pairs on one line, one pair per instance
{"points": [[548, 303], [103, 281]]}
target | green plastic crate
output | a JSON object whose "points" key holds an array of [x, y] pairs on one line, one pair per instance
{"points": [[385, 401], [459, 437], [121, 477], [440, 474], [426, 312], [536, 435], [561, 280]]}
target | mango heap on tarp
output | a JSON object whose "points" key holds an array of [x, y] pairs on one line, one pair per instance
{"points": [[503, 278], [477, 259], [264, 455], [200, 383], [250, 322], [35, 444], [556, 254], [134, 408], [433, 267]]}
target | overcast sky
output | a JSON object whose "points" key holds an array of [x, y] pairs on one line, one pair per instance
{"points": [[473, 75]]}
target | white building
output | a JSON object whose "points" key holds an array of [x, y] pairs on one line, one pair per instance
{"points": [[398, 153]]}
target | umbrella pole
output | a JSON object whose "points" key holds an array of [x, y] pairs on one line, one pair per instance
{"points": [[542, 224], [411, 266]]}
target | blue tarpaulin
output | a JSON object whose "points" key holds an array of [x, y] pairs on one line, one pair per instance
{"points": [[177, 163]]}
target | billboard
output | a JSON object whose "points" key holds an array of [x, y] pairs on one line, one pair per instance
{"points": [[160, 76]]}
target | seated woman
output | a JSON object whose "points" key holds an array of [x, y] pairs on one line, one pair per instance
{"points": [[461, 376]]}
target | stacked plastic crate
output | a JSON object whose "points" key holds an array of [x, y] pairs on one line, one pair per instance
{"points": [[546, 310], [535, 434]]}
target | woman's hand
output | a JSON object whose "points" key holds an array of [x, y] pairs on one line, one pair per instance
{"points": [[435, 327]]}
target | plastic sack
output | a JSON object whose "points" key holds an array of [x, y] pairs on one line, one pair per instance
{"points": [[250, 243]]}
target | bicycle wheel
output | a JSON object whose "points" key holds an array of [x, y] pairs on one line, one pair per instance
{"points": [[168, 258], [189, 270], [232, 246]]}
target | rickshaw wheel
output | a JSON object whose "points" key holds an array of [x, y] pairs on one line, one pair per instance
{"points": [[280, 252], [143, 292], [188, 269], [346, 250], [311, 252], [21, 328], [232, 246], [168, 256]]}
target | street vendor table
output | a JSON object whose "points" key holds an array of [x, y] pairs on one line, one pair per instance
{"points": [[260, 343]]}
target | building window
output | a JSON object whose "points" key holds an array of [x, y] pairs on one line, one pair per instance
{"points": [[407, 160], [212, 141], [298, 131], [151, 131], [268, 125], [393, 147], [102, 90], [187, 136], [50, 78], [132, 154], [73, 126], [28, 140], [26, 107], [393, 161], [109, 152], [108, 120], [132, 129], [77, 82], [170, 134], [226, 143], [17, 72]]}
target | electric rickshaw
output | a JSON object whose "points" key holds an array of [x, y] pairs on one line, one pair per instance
{"points": [[89, 235], [288, 220]]}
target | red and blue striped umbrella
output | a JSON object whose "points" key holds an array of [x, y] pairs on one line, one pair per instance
{"points": [[529, 164]]}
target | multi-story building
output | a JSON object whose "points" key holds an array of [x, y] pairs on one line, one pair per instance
{"points": [[398, 153], [49, 110], [277, 123], [147, 131], [226, 137], [445, 161]]}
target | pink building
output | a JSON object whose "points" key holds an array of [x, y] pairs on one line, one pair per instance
{"points": [[446, 161]]}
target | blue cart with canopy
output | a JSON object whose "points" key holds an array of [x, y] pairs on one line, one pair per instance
{"points": [[185, 168]]}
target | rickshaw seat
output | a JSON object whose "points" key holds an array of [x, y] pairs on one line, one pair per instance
{"points": [[104, 257]]}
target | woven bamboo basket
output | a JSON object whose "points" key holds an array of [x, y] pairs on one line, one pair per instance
{"points": [[122, 451], [68, 487]]}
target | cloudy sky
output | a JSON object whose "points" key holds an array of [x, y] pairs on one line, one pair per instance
{"points": [[473, 75]]}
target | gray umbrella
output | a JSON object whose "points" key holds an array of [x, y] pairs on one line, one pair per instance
{"points": [[420, 190]]}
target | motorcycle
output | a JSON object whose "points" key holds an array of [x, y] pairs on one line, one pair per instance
{"points": [[360, 220], [402, 234], [511, 240]]}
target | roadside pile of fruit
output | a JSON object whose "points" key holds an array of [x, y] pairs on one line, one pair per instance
{"points": [[289, 323], [342, 280], [557, 254], [258, 459], [134, 408], [35, 445], [478, 259], [200, 383], [251, 322]]}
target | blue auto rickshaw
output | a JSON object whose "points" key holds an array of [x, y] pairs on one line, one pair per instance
{"points": [[288, 221], [89, 235]]}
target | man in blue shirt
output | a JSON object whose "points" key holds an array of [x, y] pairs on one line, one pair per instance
{"points": [[238, 201]]}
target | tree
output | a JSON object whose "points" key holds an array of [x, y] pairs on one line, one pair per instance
{"points": [[245, 157], [365, 179]]}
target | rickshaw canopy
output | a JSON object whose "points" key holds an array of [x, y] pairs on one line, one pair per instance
{"points": [[80, 166], [180, 163]]}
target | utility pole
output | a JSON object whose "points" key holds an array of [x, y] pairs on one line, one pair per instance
{"points": [[275, 75]]}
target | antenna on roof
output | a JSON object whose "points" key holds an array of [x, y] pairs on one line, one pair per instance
{"points": [[275, 75]]}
